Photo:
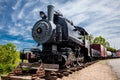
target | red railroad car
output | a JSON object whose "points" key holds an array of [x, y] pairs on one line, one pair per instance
{"points": [[118, 53], [100, 48]]}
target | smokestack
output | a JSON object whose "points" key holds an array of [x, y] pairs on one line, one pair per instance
{"points": [[50, 12]]}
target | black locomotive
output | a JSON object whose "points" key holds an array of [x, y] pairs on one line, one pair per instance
{"points": [[62, 42]]}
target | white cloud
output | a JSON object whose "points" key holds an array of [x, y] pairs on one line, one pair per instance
{"points": [[20, 44], [12, 41], [24, 31], [114, 42], [14, 31], [17, 5], [1, 26], [16, 42], [79, 18]]}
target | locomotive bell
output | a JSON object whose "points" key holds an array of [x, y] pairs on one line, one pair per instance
{"points": [[42, 15]]}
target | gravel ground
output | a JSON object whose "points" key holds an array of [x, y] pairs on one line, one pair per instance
{"points": [[97, 71], [115, 66]]}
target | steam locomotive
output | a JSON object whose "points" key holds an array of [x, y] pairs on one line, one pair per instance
{"points": [[62, 42]]}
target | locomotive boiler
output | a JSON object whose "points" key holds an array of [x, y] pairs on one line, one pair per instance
{"points": [[62, 42]]}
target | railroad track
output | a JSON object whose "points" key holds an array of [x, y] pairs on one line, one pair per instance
{"points": [[49, 74]]}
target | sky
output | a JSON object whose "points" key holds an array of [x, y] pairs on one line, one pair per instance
{"points": [[98, 17]]}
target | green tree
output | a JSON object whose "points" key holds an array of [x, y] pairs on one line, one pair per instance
{"points": [[101, 40], [90, 38], [111, 49], [8, 57]]}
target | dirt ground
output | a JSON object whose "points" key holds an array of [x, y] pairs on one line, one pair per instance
{"points": [[115, 66], [97, 71]]}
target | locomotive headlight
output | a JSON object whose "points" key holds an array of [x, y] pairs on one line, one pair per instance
{"points": [[39, 30]]}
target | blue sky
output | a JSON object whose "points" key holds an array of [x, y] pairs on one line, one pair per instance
{"points": [[17, 17]]}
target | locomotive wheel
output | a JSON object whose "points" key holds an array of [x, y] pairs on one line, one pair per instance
{"points": [[74, 64], [79, 63], [68, 66]]}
